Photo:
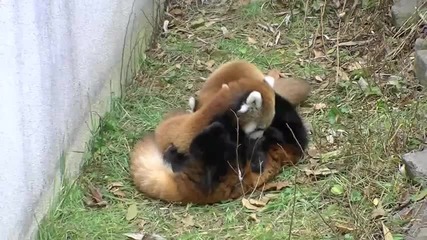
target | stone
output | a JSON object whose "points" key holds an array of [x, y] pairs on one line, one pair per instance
{"points": [[416, 165], [402, 10], [418, 228], [420, 44], [421, 66]]}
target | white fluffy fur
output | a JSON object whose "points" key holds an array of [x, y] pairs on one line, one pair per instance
{"points": [[270, 80], [254, 101], [250, 127]]}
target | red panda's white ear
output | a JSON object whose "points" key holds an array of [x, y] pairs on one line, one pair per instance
{"points": [[270, 80], [254, 100]]}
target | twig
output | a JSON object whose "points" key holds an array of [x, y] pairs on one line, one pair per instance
{"points": [[338, 53]]}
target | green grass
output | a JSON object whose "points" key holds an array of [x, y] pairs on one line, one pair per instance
{"points": [[370, 128]]}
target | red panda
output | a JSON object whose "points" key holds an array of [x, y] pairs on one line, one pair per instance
{"points": [[236, 97], [282, 144], [156, 179], [258, 112]]}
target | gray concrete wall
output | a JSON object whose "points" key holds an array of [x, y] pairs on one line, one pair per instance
{"points": [[60, 61]]}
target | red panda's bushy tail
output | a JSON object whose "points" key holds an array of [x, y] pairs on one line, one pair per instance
{"points": [[150, 174]]}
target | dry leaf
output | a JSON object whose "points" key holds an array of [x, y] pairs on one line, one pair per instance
{"points": [[376, 201], [319, 106], [276, 185], [141, 224], [96, 194], [343, 75], [387, 233], [131, 212], [115, 184], [135, 236], [119, 193], [210, 63], [318, 78], [257, 203], [225, 32], [188, 221], [208, 24], [246, 203], [378, 212], [251, 40], [320, 172], [314, 153], [244, 2], [176, 12], [318, 54], [362, 83], [254, 218], [95, 199], [142, 236], [343, 228], [178, 66], [354, 66]]}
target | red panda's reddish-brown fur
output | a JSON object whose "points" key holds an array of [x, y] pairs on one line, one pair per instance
{"points": [[250, 79], [180, 129], [153, 177]]}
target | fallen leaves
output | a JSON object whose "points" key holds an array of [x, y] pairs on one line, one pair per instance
{"points": [[254, 204], [386, 232], [225, 32], [319, 106], [276, 185], [320, 172], [247, 204], [143, 236], [188, 221], [379, 211], [253, 217], [132, 212], [344, 228], [114, 188], [95, 199], [420, 196], [251, 40]]}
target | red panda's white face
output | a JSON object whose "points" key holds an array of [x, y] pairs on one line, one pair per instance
{"points": [[254, 115], [256, 112]]}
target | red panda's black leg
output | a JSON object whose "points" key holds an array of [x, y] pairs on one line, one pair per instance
{"points": [[176, 159], [214, 148]]}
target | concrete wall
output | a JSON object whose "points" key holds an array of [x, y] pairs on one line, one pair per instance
{"points": [[59, 63]]}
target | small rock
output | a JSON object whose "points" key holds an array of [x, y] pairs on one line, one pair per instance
{"points": [[421, 66], [420, 44], [402, 10], [418, 229], [416, 165]]}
